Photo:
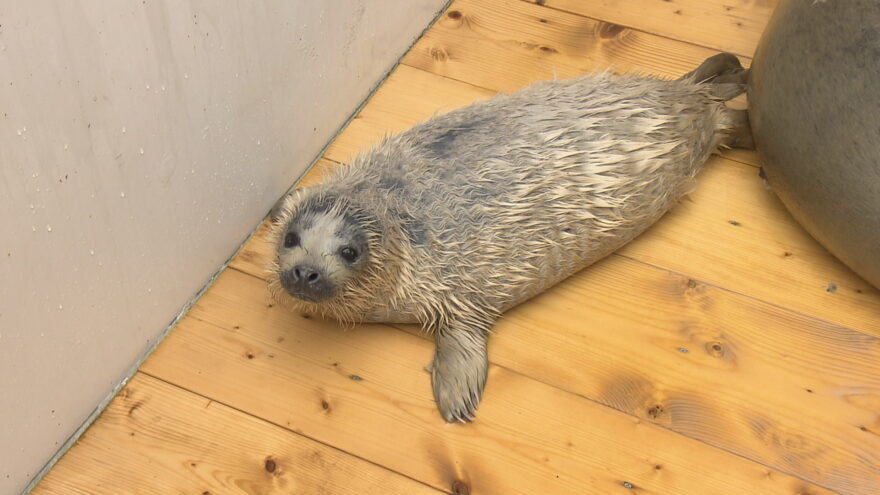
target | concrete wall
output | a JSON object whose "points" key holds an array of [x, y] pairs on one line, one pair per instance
{"points": [[140, 142]]}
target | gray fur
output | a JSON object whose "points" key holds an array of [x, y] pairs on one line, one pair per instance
{"points": [[472, 212]]}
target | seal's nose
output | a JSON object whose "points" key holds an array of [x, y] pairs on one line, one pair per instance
{"points": [[307, 283], [306, 274]]}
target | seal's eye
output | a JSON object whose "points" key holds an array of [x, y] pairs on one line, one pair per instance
{"points": [[349, 254], [291, 240]]}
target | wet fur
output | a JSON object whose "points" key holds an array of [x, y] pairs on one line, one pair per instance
{"points": [[472, 212]]}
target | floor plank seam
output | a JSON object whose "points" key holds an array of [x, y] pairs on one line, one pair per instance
{"points": [[584, 397], [752, 298], [553, 386], [652, 33], [287, 429]]}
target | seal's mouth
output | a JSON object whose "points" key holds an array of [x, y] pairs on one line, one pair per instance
{"points": [[308, 296]]}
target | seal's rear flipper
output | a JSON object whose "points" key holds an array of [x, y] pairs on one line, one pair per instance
{"points": [[722, 64], [723, 73]]}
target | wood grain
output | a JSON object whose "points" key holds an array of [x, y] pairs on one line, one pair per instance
{"points": [[733, 25], [366, 390], [759, 380], [157, 438]]}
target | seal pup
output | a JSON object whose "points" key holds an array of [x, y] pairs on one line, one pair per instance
{"points": [[461, 217]]}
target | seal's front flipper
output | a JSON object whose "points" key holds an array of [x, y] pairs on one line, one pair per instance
{"points": [[458, 373]]}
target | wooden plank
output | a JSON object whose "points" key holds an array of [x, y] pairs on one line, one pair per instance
{"points": [[507, 44], [725, 25], [734, 233], [365, 391], [504, 45], [157, 438], [784, 264], [617, 331]]}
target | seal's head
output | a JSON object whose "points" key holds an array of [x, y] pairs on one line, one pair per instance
{"points": [[329, 256]]}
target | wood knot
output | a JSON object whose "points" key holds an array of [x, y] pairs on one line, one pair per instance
{"points": [[269, 465], [607, 30], [715, 349], [325, 405], [439, 54], [137, 405], [454, 14], [460, 488], [655, 411]]}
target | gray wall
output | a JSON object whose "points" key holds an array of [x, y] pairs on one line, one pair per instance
{"points": [[140, 142]]}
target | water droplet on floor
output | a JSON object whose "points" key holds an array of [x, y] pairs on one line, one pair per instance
{"points": [[121, 194], [141, 151], [123, 129], [66, 146], [48, 228], [92, 252]]}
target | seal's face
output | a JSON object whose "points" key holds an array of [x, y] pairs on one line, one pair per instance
{"points": [[319, 251]]}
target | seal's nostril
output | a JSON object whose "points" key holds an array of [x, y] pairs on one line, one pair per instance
{"points": [[312, 277]]}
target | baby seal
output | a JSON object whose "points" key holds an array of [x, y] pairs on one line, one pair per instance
{"points": [[461, 217]]}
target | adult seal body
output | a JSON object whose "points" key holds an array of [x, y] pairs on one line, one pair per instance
{"points": [[813, 97], [470, 213]]}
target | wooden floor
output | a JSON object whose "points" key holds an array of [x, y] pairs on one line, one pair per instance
{"points": [[723, 352]]}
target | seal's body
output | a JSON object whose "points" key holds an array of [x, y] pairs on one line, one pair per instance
{"points": [[470, 213]]}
